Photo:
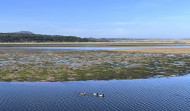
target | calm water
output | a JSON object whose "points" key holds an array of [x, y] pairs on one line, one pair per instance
{"points": [[94, 48], [140, 94]]}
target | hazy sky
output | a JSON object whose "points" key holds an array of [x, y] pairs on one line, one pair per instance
{"points": [[98, 18]]}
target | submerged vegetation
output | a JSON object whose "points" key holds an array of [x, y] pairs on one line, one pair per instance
{"points": [[66, 65]]}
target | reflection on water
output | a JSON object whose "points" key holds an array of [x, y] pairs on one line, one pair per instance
{"points": [[171, 93]]}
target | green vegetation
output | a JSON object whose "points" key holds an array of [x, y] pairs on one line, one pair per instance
{"points": [[22, 37], [67, 65]]}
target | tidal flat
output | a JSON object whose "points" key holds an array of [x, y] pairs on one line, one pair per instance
{"points": [[71, 65]]}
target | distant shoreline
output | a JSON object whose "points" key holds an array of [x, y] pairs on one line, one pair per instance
{"points": [[156, 50], [110, 42], [95, 44], [148, 42]]}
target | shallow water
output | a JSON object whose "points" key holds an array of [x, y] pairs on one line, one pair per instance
{"points": [[95, 48], [171, 93]]}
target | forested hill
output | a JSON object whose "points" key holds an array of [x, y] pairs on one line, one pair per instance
{"points": [[25, 37]]}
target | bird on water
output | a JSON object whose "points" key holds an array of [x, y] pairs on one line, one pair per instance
{"points": [[95, 94], [101, 95], [82, 93]]}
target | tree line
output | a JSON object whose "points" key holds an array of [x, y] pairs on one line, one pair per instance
{"points": [[17, 37]]}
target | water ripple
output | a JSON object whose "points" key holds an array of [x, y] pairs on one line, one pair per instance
{"points": [[140, 94]]}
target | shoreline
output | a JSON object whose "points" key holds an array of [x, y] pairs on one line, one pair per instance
{"points": [[156, 50], [111, 42], [93, 44]]}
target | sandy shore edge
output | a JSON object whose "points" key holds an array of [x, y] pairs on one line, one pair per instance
{"points": [[157, 50]]}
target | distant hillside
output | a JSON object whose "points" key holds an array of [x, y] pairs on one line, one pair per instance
{"points": [[121, 39], [26, 36], [24, 32]]}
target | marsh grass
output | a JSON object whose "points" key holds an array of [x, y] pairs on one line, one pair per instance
{"points": [[67, 65]]}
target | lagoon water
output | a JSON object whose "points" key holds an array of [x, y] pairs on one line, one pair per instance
{"points": [[153, 94], [94, 48]]}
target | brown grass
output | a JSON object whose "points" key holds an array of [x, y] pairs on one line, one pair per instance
{"points": [[157, 50]]}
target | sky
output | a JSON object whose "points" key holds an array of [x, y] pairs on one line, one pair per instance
{"points": [[98, 18]]}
